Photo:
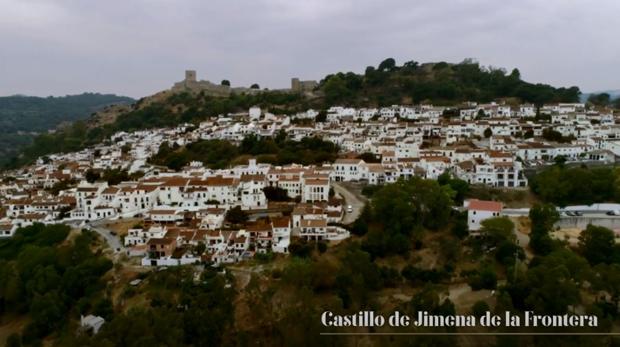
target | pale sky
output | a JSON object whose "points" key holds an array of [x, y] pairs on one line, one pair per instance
{"points": [[139, 47]]}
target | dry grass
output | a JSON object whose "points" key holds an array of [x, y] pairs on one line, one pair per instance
{"points": [[121, 226], [11, 325]]}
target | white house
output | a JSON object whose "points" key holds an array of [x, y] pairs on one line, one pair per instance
{"points": [[480, 210]]}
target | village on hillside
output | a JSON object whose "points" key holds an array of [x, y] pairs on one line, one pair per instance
{"points": [[201, 215]]}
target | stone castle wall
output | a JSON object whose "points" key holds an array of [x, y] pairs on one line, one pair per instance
{"points": [[192, 85]]}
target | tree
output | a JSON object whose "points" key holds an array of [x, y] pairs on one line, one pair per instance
{"points": [[115, 176], [91, 175], [369, 157], [602, 99], [559, 160], [47, 313], [488, 132], [597, 244], [542, 217], [485, 278], [225, 83], [528, 134], [550, 286], [255, 86], [480, 308], [369, 71], [460, 228], [388, 64], [336, 90], [125, 149], [236, 215], [276, 194], [410, 66], [360, 226], [498, 229], [300, 248]]}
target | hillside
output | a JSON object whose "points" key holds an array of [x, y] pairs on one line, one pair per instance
{"points": [[23, 117], [384, 85], [438, 83]]}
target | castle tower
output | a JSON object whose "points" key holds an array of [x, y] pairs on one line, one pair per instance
{"points": [[190, 75], [295, 84]]}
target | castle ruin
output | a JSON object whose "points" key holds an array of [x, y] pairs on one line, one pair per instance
{"points": [[193, 85]]}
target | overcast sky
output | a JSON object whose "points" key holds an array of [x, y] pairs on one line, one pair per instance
{"points": [[138, 47]]}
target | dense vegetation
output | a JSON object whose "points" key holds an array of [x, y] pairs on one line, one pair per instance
{"points": [[563, 186], [354, 276], [401, 211], [440, 83], [219, 154], [603, 99], [181, 311], [50, 279], [20, 116], [405, 226]]}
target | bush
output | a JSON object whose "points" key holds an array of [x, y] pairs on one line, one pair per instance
{"points": [[479, 308], [300, 248], [14, 340], [264, 257], [276, 273], [484, 279], [417, 276]]}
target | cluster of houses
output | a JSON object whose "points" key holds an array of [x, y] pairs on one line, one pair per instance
{"points": [[185, 212], [182, 210]]}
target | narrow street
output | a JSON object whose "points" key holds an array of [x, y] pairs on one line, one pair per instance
{"points": [[113, 241], [355, 200]]}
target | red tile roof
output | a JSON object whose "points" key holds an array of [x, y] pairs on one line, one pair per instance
{"points": [[484, 205]]}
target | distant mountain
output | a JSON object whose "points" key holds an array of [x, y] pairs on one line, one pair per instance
{"points": [[22, 117], [614, 94], [31, 113]]}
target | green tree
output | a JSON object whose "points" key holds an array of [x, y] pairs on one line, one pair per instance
{"points": [[485, 278], [488, 132], [480, 308], [602, 99], [388, 64], [597, 244], [498, 229], [236, 215], [91, 176], [336, 90], [276, 194], [616, 103], [225, 83], [542, 217], [14, 340]]}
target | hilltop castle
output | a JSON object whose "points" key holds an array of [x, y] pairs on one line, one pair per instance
{"points": [[191, 84]]}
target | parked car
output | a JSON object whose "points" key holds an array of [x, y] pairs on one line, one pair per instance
{"points": [[349, 209], [613, 213]]}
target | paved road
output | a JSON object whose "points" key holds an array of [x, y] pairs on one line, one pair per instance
{"points": [[350, 198], [113, 241]]}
